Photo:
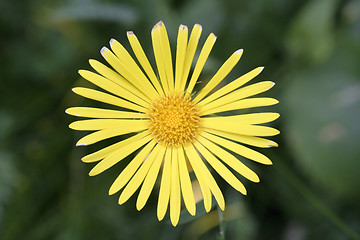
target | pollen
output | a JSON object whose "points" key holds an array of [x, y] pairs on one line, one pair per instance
{"points": [[174, 119]]}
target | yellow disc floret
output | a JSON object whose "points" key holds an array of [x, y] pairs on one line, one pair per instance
{"points": [[174, 119]]}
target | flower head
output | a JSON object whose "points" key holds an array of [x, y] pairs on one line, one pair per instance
{"points": [[173, 129]]}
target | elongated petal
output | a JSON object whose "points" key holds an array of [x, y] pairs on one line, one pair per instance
{"points": [[175, 198], [109, 133], [132, 67], [243, 129], [205, 189], [250, 118], [118, 155], [186, 188], [241, 93], [98, 155], [143, 60], [126, 71], [190, 52], [150, 179], [155, 37], [112, 87], [220, 168], [107, 98], [139, 176], [165, 186], [237, 148], [230, 160], [98, 124], [103, 113], [232, 86], [180, 55], [204, 54], [199, 166], [116, 78], [249, 140], [219, 75], [131, 168], [166, 53], [241, 104]]}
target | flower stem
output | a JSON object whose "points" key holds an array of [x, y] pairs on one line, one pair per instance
{"points": [[222, 225]]}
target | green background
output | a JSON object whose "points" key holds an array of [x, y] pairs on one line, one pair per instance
{"points": [[310, 49]]}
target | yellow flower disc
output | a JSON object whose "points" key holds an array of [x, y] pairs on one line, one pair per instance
{"points": [[174, 119]]}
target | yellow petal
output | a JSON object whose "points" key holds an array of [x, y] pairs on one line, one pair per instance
{"points": [[175, 199], [166, 53], [180, 55], [98, 124], [98, 155], [150, 179], [250, 118], [230, 160], [243, 129], [204, 186], [200, 168], [102, 113], [249, 140], [139, 176], [118, 155], [116, 78], [109, 133], [112, 87], [239, 149], [239, 94], [131, 168], [186, 188], [219, 75], [220, 168], [232, 86], [126, 71], [164, 194], [107, 98], [241, 104], [143, 60], [204, 54], [155, 37], [190, 52], [128, 62]]}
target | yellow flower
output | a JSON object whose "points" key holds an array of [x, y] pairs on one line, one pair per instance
{"points": [[173, 128]]}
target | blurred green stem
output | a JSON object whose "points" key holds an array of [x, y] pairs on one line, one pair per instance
{"points": [[315, 201], [222, 224]]}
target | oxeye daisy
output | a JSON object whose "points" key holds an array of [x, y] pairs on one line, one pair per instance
{"points": [[178, 134]]}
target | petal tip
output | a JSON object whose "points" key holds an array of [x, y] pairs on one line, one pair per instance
{"points": [[198, 25], [121, 200], [81, 144], [183, 27], [103, 50], [214, 36], [239, 51], [112, 40]]}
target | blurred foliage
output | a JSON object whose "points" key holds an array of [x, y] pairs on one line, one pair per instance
{"points": [[311, 49]]}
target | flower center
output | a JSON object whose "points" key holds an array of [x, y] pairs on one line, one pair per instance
{"points": [[174, 119]]}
